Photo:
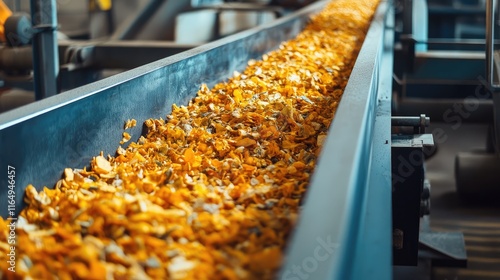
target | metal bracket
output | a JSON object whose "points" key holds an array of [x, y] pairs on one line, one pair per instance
{"points": [[408, 52], [409, 200], [443, 249], [43, 27]]}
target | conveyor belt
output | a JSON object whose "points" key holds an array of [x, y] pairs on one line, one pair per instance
{"points": [[349, 194]]}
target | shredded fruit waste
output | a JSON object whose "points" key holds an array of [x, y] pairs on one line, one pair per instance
{"points": [[211, 192]]}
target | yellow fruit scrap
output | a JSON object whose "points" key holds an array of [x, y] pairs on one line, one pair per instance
{"points": [[130, 123], [126, 138], [101, 165]]}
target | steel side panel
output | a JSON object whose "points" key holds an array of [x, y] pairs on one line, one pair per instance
{"points": [[374, 249], [327, 242]]}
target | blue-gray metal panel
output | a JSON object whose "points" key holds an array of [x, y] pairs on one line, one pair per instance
{"points": [[328, 240], [374, 247], [442, 66], [66, 130]]}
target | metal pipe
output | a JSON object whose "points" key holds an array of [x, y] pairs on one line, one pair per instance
{"points": [[496, 121], [457, 42], [407, 17], [13, 59], [490, 29], [490, 33], [45, 53], [129, 29], [410, 121]]}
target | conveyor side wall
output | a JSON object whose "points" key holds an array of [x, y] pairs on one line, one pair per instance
{"points": [[344, 229]]}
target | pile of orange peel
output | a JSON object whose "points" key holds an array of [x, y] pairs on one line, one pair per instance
{"points": [[211, 192]]}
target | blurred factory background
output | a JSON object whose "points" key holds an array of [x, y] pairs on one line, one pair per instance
{"points": [[100, 38], [440, 70], [176, 21], [447, 81]]}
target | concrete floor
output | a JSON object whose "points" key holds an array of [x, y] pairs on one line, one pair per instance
{"points": [[480, 222]]}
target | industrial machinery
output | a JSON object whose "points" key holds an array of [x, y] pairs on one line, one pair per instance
{"points": [[368, 196], [40, 59], [452, 81], [486, 163]]}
